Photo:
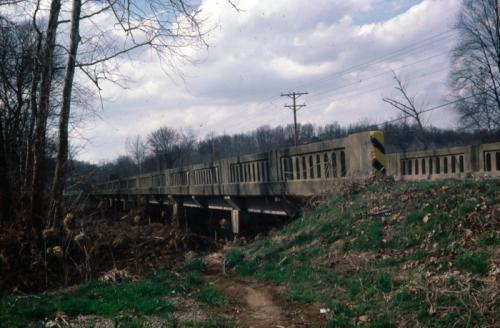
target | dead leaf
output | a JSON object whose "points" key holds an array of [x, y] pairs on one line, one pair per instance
{"points": [[432, 310]]}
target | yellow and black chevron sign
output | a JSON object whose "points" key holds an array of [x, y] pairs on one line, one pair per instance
{"points": [[378, 151]]}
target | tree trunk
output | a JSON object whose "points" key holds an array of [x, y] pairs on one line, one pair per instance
{"points": [[28, 167], [37, 212], [62, 147], [5, 192]]}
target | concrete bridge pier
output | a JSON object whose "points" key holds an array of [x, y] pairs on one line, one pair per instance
{"points": [[236, 215], [236, 222], [178, 212]]}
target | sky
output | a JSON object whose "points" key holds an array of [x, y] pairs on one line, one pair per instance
{"points": [[342, 52]]}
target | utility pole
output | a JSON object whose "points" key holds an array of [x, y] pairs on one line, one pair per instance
{"points": [[294, 107]]}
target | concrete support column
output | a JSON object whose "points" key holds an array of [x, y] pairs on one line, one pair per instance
{"points": [[178, 212], [235, 221], [236, 215]]}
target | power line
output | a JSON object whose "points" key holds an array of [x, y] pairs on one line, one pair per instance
{"points": [[433, 108], [351, 94], [295, 107], [401, 51], [339, 96], [400, 68], [348, 94], [404, 50]]}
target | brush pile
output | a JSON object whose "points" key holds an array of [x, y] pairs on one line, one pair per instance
{"points": [[85, 249]]}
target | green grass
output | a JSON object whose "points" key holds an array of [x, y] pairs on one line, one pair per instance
{"points": [[300, 292], [385, 281], [211, 296], [299, 256], [197, 264], [138, 299], [490, 238], [370, 238], [233, 257], [475, 262], [381, 268], [143, 297]]}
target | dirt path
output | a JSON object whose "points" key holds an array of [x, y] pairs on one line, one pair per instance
{"points": [[257, 304]]}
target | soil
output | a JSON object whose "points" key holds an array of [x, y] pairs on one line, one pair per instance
{"points": [[252, 304], [256, 304]]}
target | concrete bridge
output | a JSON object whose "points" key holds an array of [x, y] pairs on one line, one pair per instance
{"points": [[274, 182], [277, 182]]}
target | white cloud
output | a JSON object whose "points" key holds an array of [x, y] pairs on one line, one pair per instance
{"points": [[276, 46]]}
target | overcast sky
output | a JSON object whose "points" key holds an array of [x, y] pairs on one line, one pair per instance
{"points": [[340, 51]]}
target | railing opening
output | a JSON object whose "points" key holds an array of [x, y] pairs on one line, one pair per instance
{"points": [[318, 166], [334, 165], [311, 167], [343, 164], [297, 168], [487, 162], [304, 168]]}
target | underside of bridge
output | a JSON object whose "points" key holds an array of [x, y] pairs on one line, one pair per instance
{"points": [[215, 216]]}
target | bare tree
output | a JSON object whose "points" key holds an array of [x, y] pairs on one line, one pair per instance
{"points": [[162, 26], [17, 46], [407, 106], [123, 26], [62, 144], [37, 212], [137, 149], [475, 71], [162, 143], [5, 188]]}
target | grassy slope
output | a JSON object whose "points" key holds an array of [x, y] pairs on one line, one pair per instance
{"points": [[408, 254], [127, 304]]}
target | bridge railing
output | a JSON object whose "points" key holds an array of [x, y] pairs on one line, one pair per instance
{"points": [[452, 162], [303, 170]]}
